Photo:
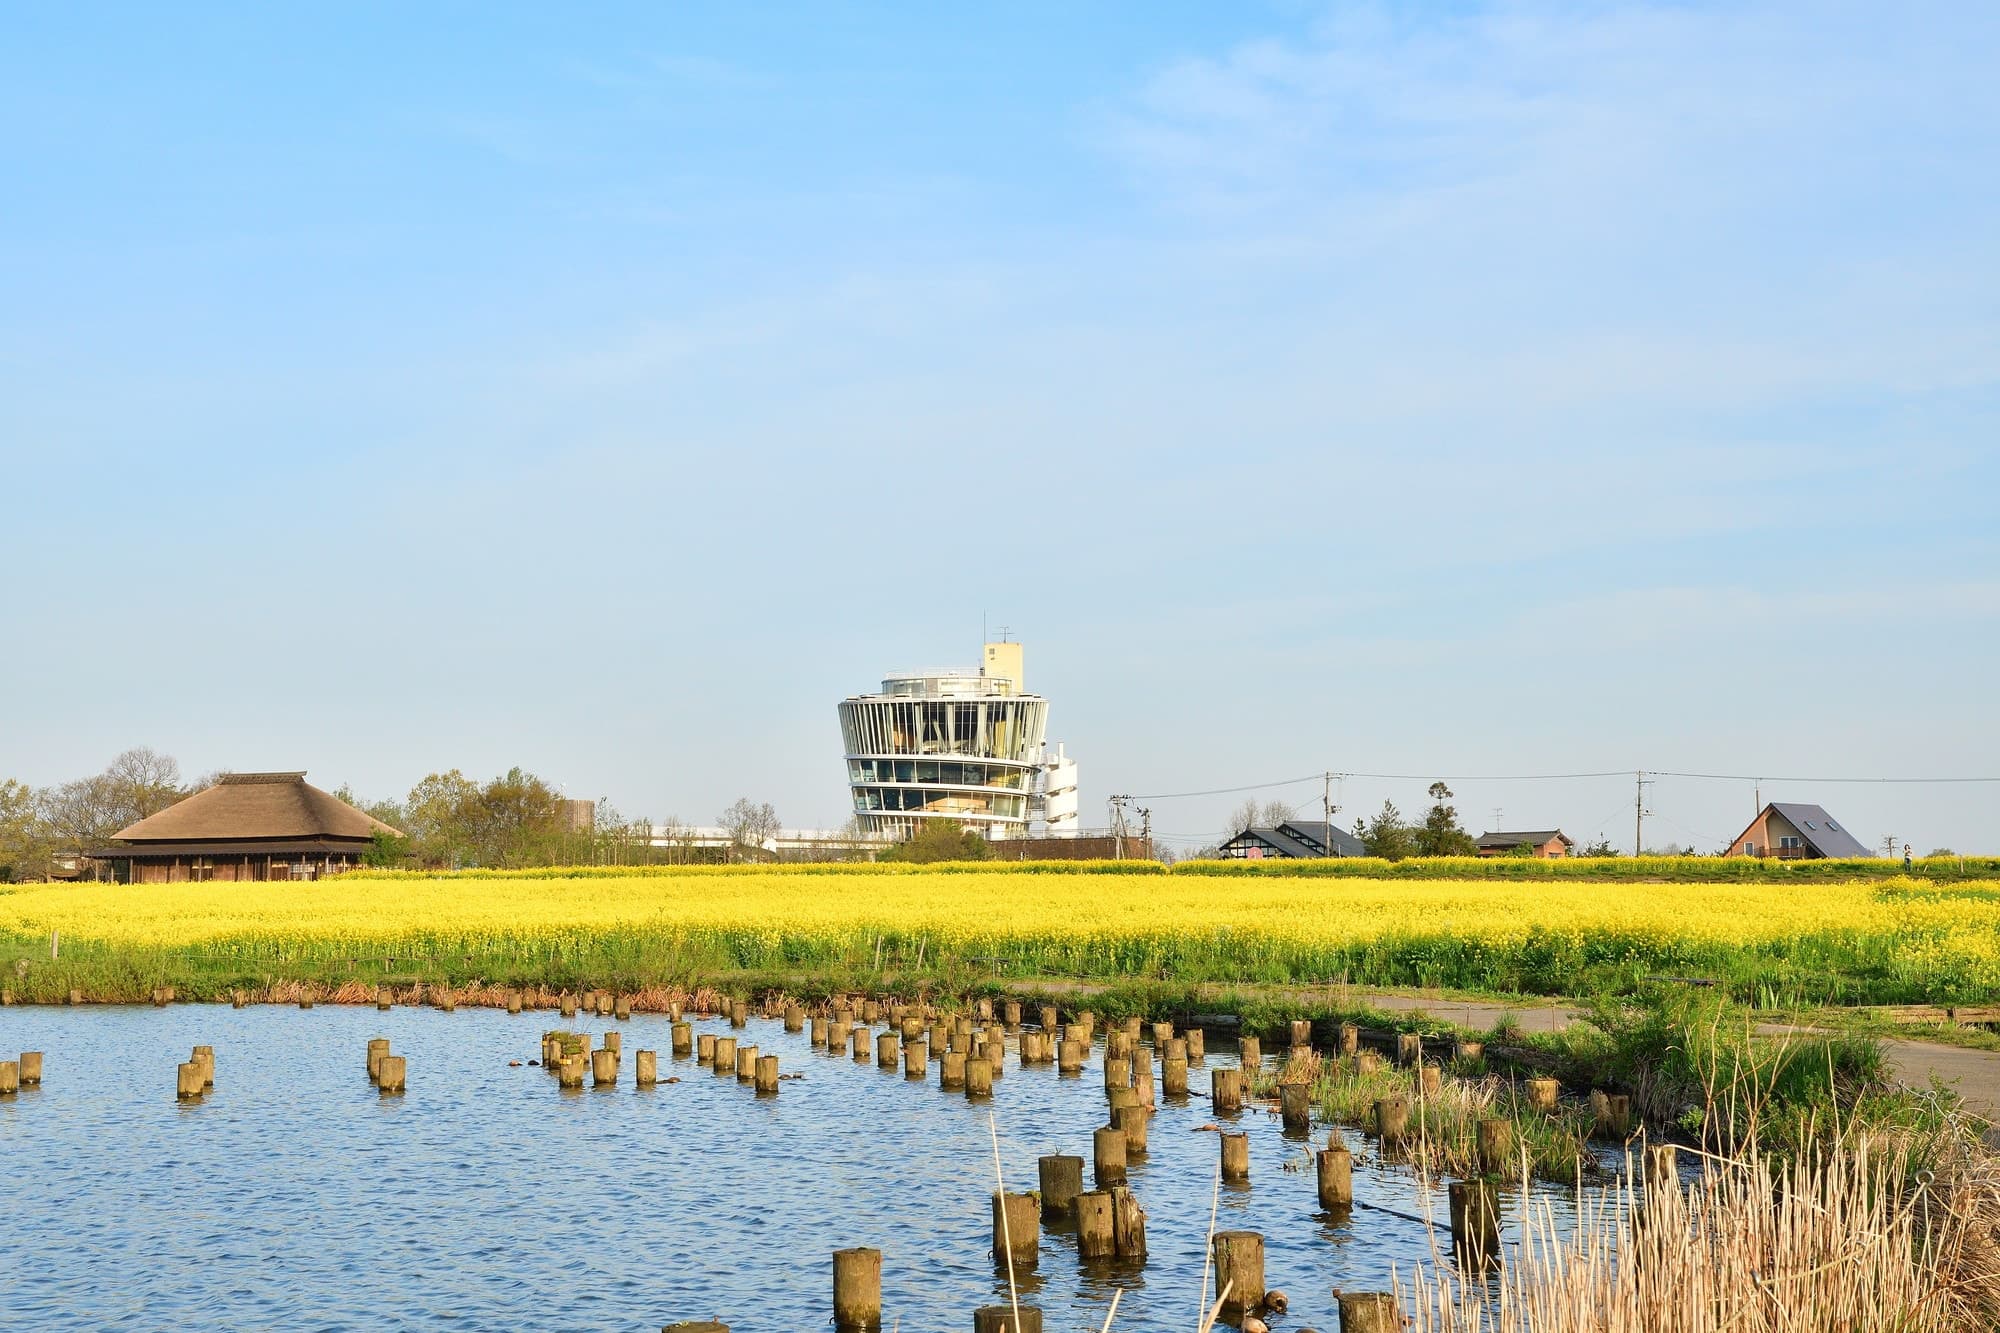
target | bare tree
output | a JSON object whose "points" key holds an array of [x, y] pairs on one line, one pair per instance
{"points": [[748, 824]]}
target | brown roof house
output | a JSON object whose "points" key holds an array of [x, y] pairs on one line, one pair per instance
{"points": [[247, 826], [1549, 844]]}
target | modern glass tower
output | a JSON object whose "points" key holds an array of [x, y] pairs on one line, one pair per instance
{"points": [[967, 746]]}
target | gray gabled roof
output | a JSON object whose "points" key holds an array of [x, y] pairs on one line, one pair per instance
{"points": [[1284, 840], [1820, 829], [1338, 841], [1532, 838]]}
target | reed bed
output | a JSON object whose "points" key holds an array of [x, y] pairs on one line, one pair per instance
{"points": [[1878, 1234]]}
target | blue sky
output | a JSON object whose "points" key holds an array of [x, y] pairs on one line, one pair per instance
{"points": [[1432, 389]]}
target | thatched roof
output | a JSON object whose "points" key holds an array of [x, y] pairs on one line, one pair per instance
{"points": [[256, 806]]}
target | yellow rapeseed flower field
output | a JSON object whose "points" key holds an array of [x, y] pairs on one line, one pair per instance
{"points": [[1857, 941]]}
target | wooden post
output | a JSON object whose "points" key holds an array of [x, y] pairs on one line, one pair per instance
{"points": [[1235, 1155], [1062, 1181], [10, 1077], [705, 1048], [1197, 1045], [614, 1042], [393, 1071], [1128, 1224], [1048, 1017], [871, 1012], [683, 1038], [916, 1057], [1002, 1319], [951, 1070], [1367, 1064], [1010, 1014], [1466, 1051], [746, 1063], [819, 1028], [1096, 1229], [31, 1068], [1117, 1072], [566, 1005], [1295, 1106], [1616, 1121], [1302, 1032], [187, 1083], [1392, 1120], [725, 1055], [1117, 1097], [569, 1074], [996, 1056], [978, 1077], [1069, 1057], [203, 1056], [1409, 1048], [377, 1048], [383, 1000], [1542, 1094], [1369, 1312], [513, 1002], [795, 1018], [888, 1050], [983, 1010], [621, 1008], [646, 1069], [1239, 1266], [739, 1014], [1017, 1229], [696, 1326], [861, 1045], [1226, 1090], [767, 1074], [1250, 1053], [1431, 1079], [1335, 1176], [1162, 1034], [1107, 1155], [857, 1289], [1131, 1122], [1496, 1144], [1173, 1077], [1173, 1048], [1142, 1086], [604, 1068], [1350, 1039], [1475, 1224]]}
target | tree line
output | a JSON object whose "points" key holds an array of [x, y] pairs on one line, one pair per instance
{"points": [[447, 820]]}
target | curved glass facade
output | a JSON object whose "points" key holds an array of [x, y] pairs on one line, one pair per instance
{"points": [[943, 745]]}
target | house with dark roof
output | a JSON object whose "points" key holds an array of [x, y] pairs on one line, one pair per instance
{"points": [[248, 826], [1296, 839], [1549, 844], [1794, 832]]}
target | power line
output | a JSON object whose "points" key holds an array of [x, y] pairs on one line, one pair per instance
{"points": [[1766, 777], [1543, 777]]}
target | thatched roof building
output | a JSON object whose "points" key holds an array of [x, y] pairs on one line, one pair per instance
{"points": [[247, 826]]}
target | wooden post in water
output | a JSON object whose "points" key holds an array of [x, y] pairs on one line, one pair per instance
{"points": [[1017, 1229], [746, 1063], [1001, 1319], [1295, 1107], [983, 1010], [1239, 1267], [1162, 1034], [621, 1009], [951, 1070], [1117, 1072], [1369, 1312], [1131, 1122], [31, 1068], [739, 1014], [1197, 1045], [1070, 1056], [569, 1074], [978, 1077], [394, 1067], [1096, 1232], [1392, 1120], [1226, 1090], [888, 1050], [1173, 1077], [614, 1042], [1542, 1094], [916, 1057], [704, 1049], [1107, 1156], [683, 1038], [383, 999], [377, 1048], [1475, 1224], [1142, 1086], [862, 1044], [1350, 1039], [819, 1028], [857, 1290], [1048, 1017], [1335, 1176], [646, 1069], [1235, 1155], [1496, 1144], [604, 1068], [1409, 1048], [1302, 1032], [996, 1056], [205, 1057], [871, 1012], [725, 1055], [1010, 1013], [1128, 1224], [187, 1082], [237, 999], [1117, 1097], [1431, 1079], [1250, 1053], [767, 1074], [566, 1005], [1062, 1181], [10, 1077]]}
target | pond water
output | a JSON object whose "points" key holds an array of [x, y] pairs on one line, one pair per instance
{"points": [[295, 1195]]}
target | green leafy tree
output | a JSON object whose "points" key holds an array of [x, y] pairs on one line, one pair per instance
{"points": [[1602, 847], [940, 840], [24, 842], [1386, 835], [1440, 834], [385, 850]]}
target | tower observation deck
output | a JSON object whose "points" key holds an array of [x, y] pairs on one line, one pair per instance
{"points": [[965, 746]]}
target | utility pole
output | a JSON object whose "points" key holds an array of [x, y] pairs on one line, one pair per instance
{"points": [[1497, 825], [1327, 804], [1639, 813], [1118, 827], [1146, 830], [1888, 846]]}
